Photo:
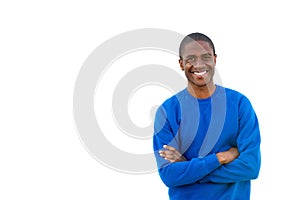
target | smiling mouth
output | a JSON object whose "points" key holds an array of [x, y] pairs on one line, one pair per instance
{"points": [[200, 73]]}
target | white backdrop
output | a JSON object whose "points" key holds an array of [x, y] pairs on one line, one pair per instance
{"points": [[43, 46]]}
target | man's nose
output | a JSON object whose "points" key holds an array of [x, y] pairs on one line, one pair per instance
{"points": [[199, 63]]}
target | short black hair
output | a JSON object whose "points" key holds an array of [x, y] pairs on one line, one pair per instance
{"points": [[195, 37]]}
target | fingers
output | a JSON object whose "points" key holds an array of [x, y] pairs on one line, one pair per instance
{"points": [[169, 148], [171, 154], [234, 151], [228, 156]]}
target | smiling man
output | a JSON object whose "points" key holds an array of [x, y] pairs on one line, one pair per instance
{"points": [[206, 137]]}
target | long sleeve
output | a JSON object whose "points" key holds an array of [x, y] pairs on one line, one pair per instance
{"points": [[179, 173], [247, 165]]}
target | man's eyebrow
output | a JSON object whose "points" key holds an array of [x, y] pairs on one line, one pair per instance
{"points": [[190, 55], [205, 54]]}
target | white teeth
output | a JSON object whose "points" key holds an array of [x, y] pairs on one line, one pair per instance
{"points": [[200, 73]]}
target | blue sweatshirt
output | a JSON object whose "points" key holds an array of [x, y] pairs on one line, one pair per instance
{"points": [[200, 128]]}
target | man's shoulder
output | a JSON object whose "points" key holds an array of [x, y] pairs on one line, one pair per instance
{"points": [[235, 95], [174, 100]]}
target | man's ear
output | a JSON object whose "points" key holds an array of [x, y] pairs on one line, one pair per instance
{"points": [[181, 64], [215, 58]]}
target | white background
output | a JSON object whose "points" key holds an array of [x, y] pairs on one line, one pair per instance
{"points": [[44, 44]]}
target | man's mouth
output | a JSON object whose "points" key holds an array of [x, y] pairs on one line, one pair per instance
{"points": [[200, 73]]}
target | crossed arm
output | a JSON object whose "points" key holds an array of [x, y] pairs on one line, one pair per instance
{"points": [[181, 171], [173, 155]]}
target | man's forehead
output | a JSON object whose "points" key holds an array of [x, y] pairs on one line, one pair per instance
{"points": [[197, 47]]}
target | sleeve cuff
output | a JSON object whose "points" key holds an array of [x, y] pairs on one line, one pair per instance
{"points": [[212, 162]]}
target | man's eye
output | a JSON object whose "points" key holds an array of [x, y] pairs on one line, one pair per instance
{"points": [[207, 57], [190, 59]]}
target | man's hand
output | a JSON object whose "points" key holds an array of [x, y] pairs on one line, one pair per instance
{"points": [[171, 154], [228, 156]]}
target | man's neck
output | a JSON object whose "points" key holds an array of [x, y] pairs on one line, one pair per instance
{"points": [[202, 92]]}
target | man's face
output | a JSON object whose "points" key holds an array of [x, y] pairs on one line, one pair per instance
{"points": [[198, 61]]}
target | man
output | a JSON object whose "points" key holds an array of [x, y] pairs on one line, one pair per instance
{"points": [[206, 137]]}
